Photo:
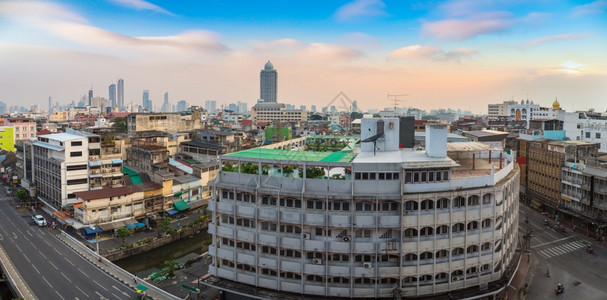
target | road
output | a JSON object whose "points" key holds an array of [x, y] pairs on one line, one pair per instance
{"points": [[49, 267], [564, 256]]}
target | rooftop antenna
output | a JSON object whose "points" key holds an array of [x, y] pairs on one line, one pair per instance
{"points": [[395, 99]]}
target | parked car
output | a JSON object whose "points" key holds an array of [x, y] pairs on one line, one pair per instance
{"points": [[39, 220]]}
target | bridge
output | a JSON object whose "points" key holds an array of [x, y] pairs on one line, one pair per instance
{"points": [[43, 264]]}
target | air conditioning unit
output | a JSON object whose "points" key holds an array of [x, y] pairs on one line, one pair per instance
{"points": [[305, 236], [317, 261], [367, 265], [346, 238]]}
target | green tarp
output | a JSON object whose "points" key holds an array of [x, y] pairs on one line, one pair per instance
{"points": [[181, 205], [177, 194], [136, 179]]}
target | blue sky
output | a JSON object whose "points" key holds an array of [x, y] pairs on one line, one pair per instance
{"points": [[459, 54]]}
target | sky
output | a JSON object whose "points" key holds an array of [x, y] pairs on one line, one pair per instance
{"points": [[442, 54]]}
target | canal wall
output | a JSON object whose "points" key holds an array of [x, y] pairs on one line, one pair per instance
{"points": [[183, 232]]}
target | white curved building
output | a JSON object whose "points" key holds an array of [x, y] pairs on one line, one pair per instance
{"points": [[383, 222]]}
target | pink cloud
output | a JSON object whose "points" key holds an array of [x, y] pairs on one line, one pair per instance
{"points": [[592, 8], [432, 53], [142, 5], [360, 8], [548, 39], [466, 28]]}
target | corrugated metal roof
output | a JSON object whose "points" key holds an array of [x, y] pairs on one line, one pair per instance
{"points": [[468, 147]]}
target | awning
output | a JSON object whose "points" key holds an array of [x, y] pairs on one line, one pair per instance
{"points": [[172, 211], [181, 205], [117, 161], [94, 175], [88, 230], [95, 163], [75, 224], [177, 194], [117, 175], [130, 226], [112, 226]]}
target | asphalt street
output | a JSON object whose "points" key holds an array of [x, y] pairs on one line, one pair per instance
{"points": [[49, 267], [563, 255]]}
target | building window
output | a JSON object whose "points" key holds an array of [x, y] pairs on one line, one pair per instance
{"points": [[598, 135], [76, 167], [76, 143], [587, 135], [77, 181], [75, 153]]}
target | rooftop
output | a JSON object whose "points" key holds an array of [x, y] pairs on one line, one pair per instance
{"points": [[107, 192], [62, 137], [291, 155]]}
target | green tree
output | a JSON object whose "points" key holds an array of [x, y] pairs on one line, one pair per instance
{"points": [[165, 225], [120, 124], [356, 115], [123, 233], [21, 194], [315, 172], [170, 265]]}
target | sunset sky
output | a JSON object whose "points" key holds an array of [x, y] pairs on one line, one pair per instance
{"points": [[444, 54]]}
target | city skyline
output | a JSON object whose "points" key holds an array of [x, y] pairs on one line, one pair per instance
{"points": [[458, 54]]}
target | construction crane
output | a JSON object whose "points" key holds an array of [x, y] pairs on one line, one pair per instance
{"points": [[396, 99]]}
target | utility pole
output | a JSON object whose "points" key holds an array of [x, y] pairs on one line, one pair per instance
{"points": [[395, 99]]}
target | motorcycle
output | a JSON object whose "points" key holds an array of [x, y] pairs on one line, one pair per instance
{"points": [[559, 289], [590, 249], [546, 222]]}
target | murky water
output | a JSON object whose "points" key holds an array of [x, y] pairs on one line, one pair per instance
{"points": [[183, 250]]}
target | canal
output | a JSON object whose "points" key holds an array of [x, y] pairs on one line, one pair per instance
{"points": [[183, 250]]}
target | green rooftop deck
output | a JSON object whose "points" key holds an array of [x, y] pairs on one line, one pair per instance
{"points": [[291, 155]]}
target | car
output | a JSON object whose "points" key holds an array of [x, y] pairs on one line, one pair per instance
{"points": [[39, 220]]}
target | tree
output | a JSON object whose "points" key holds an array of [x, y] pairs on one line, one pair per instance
{"points": [[123, 233], [170, 264], [165, 225], [355, 115], [21, 194], [315, 172], [120, 125]]}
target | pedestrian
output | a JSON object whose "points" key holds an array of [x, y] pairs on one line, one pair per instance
{"points": [[573, 228], [135, 280]]}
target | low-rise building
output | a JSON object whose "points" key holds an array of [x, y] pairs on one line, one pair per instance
{"points": [[7, 138], [168, 122], [277, 112], [23, 128], [109, 204]]}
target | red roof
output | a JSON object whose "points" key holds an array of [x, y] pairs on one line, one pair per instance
{"points": [[43, 132], [420, 122], [121, 114], [262, 124], [245, 122], [107, 192]]}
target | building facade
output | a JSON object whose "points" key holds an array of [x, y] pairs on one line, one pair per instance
{"points": [[268, 78], [7, 138], [167, 122], [378, 223], [120, 93], [274, 112], [112, 95], [587, 126], [23, 128]]}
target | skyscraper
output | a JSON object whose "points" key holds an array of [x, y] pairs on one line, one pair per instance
{"points": [[165, 104], [313, 108], [112, 95], [50, 105], [210, 106], [268, 79], [120, 93], [182, 105], [90, 95], [354, 105], [146, 103]]}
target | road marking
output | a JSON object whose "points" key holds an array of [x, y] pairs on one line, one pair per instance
{"points": [[116, 296], [25, 236], [58, 294], [49, 284], [19, 248], [1, 238], [28, 260], [69, 261], [58, 252], [47, 243], [99, 285], [43, 255], [14, 235], [36, 269], [100, 296], [120, 290], [52, 264], [83, 273], [82, 291], [547, 243], [68, 279]]}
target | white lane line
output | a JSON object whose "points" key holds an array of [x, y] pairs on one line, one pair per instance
{"points": [[559, 251], [116, 296], [82, 291], [52, 264], [547, 243], [68, 279], [544, 254], [18, 248], [34, 246], [27, 258], [551, 252], [49, 284], [48, 244], [42, 254], [570, 247], [101, 296], [120, 290], [59, 295], [36, 269], [99, 285], [69, 261], [25, 236], [58, 252], [83, 273]]}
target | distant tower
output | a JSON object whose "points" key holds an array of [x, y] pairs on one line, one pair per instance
{"points": [[354, 105], [268, 78], [50, 105], [145, 103], [165, 104], [90, 96], [120, 93], [112, 95]]}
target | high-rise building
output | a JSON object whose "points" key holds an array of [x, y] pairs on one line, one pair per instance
{"points": [[354, 105], [112, 95], [395, 222], [182, 105], [242, 107], [302, 107], [90, 95], [120, 93], [50, 105], [146, 103], [268, 79], [165, 105], [313, 109], [210, 106]]}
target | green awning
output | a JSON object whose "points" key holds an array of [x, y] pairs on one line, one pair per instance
{"points": [[177, 194], [181, 205], [136, 179]]}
